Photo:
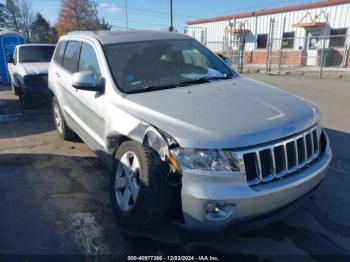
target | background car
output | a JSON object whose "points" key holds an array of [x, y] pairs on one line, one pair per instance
{"points": [[28, 72]]}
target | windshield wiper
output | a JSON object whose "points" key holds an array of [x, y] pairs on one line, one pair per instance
{"points": [[157, 87], [204, 79], [201, 80]]}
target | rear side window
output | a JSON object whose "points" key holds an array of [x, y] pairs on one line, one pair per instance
{"points": [[71, 56], [59, 52], [88, 60]]}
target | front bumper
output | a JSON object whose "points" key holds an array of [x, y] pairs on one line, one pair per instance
{"points": [[36, 91], [245, 205]]}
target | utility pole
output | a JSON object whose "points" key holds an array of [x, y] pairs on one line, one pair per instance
{"points": [[171, 28], [126, 15]]}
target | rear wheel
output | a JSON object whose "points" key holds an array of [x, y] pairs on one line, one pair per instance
{"points": [[64, 132], [140, 192]]}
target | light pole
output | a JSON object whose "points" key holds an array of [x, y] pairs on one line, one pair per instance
{"points": [[171, 28], [126, 15]]}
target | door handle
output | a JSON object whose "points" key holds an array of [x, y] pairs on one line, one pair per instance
{"points": [[58, 75]]}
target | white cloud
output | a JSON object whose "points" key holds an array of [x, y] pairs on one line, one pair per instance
{"points": [[113, 8]]}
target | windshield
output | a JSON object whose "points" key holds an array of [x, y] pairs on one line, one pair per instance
{"points": [[155, 65], [30, 54]]}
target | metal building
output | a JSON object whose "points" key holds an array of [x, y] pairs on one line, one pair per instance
{"points": [[304, 33]]}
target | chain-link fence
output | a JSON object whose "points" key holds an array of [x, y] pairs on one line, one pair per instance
{"points": [[311, 54]]}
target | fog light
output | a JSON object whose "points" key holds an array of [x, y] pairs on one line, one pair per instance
{"points": [[218, 211]]}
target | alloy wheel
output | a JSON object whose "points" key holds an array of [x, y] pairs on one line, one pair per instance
{"points": [[127, 181]]}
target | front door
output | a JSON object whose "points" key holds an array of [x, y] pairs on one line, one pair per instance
{"points": [[312, 45], [88, 106]]}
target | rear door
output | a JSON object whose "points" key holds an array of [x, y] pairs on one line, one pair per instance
{"points": [[65, 66]]}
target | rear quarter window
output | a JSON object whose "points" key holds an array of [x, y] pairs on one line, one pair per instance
{"points": [[58, 58]]}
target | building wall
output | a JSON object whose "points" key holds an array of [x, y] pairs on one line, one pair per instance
{"points": [[214, 32]]}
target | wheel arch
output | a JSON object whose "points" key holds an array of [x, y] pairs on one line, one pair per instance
{"points": [[146, 135]]}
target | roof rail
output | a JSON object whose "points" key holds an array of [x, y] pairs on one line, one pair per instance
{"points": [[88, 33]]}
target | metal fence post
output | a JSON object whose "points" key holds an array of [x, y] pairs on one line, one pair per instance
{"points": [[269, 45], [281, 50], [323, 47]]}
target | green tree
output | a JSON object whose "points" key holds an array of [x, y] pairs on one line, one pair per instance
{"points": [[104, 25], [54, 35], [42, 31]]}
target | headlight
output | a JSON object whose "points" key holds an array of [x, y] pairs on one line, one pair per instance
{"points": [[210, 160]]}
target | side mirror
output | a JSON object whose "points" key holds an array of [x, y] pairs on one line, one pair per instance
{"points": [[10, 60], [87, 80]]}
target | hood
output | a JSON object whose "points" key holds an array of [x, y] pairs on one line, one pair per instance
{"points": [[36, 68], [224, 114]]}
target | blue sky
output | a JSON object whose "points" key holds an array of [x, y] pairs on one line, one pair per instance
{"points": [[154, 14]]}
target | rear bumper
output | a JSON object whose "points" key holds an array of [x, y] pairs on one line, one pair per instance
{"points": [[246, 207]]}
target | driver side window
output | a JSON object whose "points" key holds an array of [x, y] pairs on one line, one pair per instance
{"points": [[88, 60]]}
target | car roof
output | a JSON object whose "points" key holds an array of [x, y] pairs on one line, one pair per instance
{"points": [[127, 36], [23, 45]]}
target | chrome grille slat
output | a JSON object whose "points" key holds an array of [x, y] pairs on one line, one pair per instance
{"points": [[296, 154], [273, 162], [259, 166], [312, 144], [305, 148], [267, 163], [285, 158]]}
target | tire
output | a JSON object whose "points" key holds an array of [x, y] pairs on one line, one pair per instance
{"points": [[14, 88], [64, 132], [24, 100], [152, 201]]}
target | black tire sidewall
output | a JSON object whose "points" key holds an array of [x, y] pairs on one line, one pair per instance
{"points": [[67, 133], [151, 188], [54, 103], [23, 99]]}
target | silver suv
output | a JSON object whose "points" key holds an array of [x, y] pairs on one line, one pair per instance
{"points": [[181, 131]]}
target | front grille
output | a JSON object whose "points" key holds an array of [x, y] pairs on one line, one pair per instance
{"points": [[280, 159]]}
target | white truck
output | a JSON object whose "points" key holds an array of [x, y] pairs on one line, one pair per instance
{"points": [[28, 72]]}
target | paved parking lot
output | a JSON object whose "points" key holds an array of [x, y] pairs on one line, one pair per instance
{"points": [[54, 194]]}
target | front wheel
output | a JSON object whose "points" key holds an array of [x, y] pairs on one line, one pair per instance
{"points": [[14, 88], [64, 132], [24, 100], [140, 192]]}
